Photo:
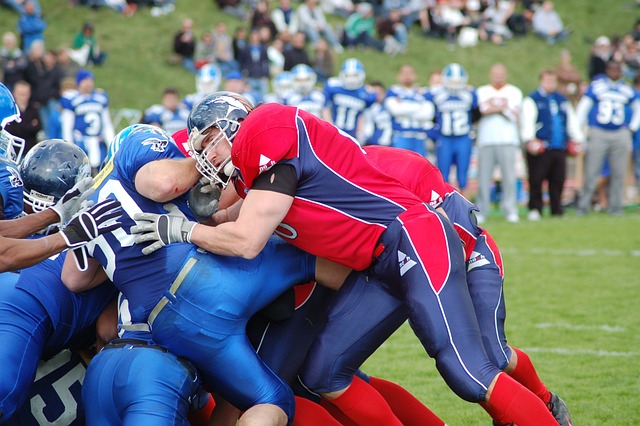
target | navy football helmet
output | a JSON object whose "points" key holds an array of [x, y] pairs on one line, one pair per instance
{"points": [[224, 111], [11, 147], [49, 170]]}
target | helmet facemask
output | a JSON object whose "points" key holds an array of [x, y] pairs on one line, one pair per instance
{"points": [[221, 174], [11, 147]]}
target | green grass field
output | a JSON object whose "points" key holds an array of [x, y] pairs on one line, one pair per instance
{"points": [[572, 285]]}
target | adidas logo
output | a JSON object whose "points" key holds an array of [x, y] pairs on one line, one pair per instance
{"points": [[265, 163], [404, 263]]}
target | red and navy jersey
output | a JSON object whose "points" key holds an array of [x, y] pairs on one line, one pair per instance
{"points": [[347, 200]]}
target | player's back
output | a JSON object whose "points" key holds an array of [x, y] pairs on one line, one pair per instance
{"points": [[11, 188], [87, 109], [349, 201], [143, 279]]}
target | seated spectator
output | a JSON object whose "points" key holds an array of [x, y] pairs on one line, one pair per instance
{"points": [[548, 25], [393, 33], [233, 8], [30, 124], [44, 75], [285, 20], [30, 26], [630, 57], [254, 61], [494, 27], [296, 53], [324, 61], [205, 50], [359, 30], [409, 10], [239, 41], [313, 22], [86, 39], [224, 48], [13, 60], [275, 52], [451, 19], [342, 8], [184, 45], [261, 17], [601, 53]]}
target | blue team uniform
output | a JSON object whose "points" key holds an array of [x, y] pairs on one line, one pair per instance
{"points": [[408, 131], [311, 102], [171, 121], [197, 304], [11, 190], [379, 130], [153, 384], [453, 117], [347, 105], [39, 318], [88, 111]]}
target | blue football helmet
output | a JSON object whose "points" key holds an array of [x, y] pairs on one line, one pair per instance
{"points": [[454, 77], [49, 170], [129, 130], [11, 147], [304, 78], [224, 111], [352, 74], [208, 79]]}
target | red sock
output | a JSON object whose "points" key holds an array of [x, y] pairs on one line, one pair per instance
{"points": [[405, 406], [526, 374], [519, 405], [365, 406], [336, 413], [203, 415], [308, 413]]}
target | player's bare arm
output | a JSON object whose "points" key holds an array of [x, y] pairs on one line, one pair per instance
{"points": [[76, 280], [164, 180]]}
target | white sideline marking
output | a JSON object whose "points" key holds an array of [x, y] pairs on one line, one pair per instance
{"points": [[604, 327], [573, 252], [591, 352]]}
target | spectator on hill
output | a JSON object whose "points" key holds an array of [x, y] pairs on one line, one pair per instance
{"points": [[393, 33], [495, 26], [18, 5], [409, 10], [275, 52], [296, 53], [254, 62], [630, 56], [261, 17], [312, 21], [601, 53], [224, 48], [184, 45], [86, 38], [569, 78], [205, 50], [324, 60], [548, 25], [30, 26], [285, 20], [30, 125], [239, 41], [44, 75], [14, 61], [360, 28], [233, 7], [342, 8]]}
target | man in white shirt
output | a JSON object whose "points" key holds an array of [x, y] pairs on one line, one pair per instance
{"points": [[498, 141]]}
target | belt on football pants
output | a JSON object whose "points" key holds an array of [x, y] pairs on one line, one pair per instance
{"points": [[170, 293], [138, 343]]}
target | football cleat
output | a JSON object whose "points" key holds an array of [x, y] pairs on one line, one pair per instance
{"points": [[559, 410]]}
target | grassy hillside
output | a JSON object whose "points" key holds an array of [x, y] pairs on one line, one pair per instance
{"points": [[136, 71]]}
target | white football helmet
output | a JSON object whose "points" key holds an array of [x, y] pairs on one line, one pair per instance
{"points": [[208, 79], [352, 74], [454, 77], [304, 79]]}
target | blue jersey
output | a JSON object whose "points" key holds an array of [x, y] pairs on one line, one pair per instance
{"points": [[191, 99], [408, 125], [378, 125], [312, 102], [120, 257], [171, 121], [11, 190], [88, 110], [610, 100], [453, 109], [347, 105]]}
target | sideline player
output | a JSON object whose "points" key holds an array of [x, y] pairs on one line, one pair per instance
{"points": [[313, 186]]}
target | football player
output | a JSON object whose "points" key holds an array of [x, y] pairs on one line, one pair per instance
{"points": [[312, 185], [306, 96], [192, 300], [347, 98], [41, 317], [208, 79], [169, 115], [15, 254], [455, 103], [282, 86], [85, 118]]}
